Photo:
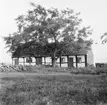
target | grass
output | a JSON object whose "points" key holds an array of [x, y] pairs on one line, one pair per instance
{"points": [[55, 90]]}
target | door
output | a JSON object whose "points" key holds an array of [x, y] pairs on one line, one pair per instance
{"points": [[39, 61], [70, 62], [17, 61]]}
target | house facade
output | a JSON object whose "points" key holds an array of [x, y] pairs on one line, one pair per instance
{"points": [[71, 60]]}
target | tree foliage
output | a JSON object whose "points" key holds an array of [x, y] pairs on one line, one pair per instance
{"points": [[104, 38], [52, 30]]}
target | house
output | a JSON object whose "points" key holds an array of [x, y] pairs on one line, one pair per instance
{"points": [[81, 59]]}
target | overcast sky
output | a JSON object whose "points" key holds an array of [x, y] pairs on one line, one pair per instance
{"points": [[93, 13]]}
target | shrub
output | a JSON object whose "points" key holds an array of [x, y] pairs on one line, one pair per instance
{"points": [[40, 68], [14, 68], [88, 70]]}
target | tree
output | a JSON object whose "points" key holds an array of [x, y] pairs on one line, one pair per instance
{"points": [[104, 38], [50, 28]]}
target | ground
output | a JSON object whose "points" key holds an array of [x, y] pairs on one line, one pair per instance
{"points": [[39, 85], [52, 89]]}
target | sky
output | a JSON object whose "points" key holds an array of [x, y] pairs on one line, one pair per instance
{"points": [[93, 13]]}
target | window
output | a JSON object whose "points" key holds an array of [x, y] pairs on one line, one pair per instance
{"points": [[29, 60], [79, 60], [62, 60]]}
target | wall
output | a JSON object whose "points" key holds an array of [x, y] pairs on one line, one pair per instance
{"points": [[90, 57], [90, 60]]}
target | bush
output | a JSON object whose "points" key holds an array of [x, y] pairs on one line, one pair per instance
{"points": [[89, 70], [14, 68], [26, 68]]}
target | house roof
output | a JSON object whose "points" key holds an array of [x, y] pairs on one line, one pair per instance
{"points": [[27, 50]]}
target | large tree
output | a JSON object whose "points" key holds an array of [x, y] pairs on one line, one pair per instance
{"points": [[55, 30]]}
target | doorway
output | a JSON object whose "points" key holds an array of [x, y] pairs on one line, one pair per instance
{"points": [[70, 62], [39, 61]]}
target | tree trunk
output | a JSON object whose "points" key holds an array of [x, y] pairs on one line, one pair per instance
{"points": [[54, 61], [54, 56]]}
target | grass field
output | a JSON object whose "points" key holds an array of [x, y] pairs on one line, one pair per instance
{"points": [[56, 89]]}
